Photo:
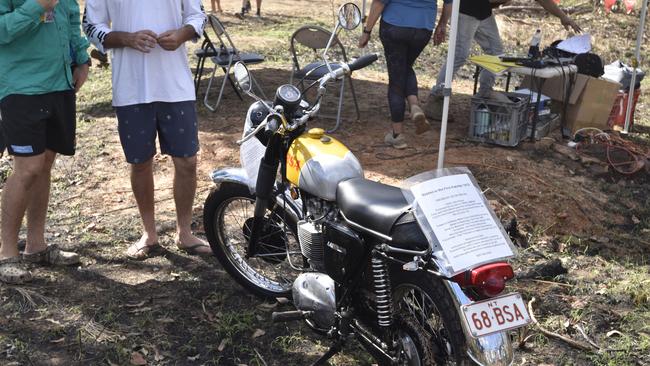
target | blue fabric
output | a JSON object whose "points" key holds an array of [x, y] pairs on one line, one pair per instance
{"points": [[420, 14]]}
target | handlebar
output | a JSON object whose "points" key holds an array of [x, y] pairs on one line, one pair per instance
{"points": [[345, 69], [363, 61]]}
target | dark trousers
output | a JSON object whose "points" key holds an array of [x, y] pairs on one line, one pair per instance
{"points": [[402, 46]]}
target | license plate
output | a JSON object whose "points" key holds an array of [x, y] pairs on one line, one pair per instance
{"points": [[495, 315]]}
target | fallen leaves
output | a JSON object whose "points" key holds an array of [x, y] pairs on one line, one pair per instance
{"points": [[258, 333], [137, 359]]}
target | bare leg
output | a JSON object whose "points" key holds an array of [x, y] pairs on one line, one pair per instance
{"points": [[37, 206], [259, 6], [212, 5], [397, 128], [142, 185], [413, 100], [15, 200], [218, 6], [184, 192]]}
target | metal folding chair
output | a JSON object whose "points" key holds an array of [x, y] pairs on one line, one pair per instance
{"points": [[226, 55], [316, 38], [206, 51]]}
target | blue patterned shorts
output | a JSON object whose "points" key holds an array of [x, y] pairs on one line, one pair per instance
{"points": [[176, 125]]}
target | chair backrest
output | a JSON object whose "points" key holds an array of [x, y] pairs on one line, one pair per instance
{"points": [[221, 33], [315, 38]]}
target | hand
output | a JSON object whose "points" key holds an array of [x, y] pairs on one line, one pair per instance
{"points": [[170, 40], [48, 4], [439, 35], [79, 76], [142, 41], [568, 23], [363, 40]]}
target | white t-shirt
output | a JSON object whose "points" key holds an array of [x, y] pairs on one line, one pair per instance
{"points": [[157, 76]]}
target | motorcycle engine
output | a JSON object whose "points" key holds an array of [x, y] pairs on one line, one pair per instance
{"points": [[310, 231]]}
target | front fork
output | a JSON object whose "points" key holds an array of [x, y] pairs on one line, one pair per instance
{"points": [[264, 190]]}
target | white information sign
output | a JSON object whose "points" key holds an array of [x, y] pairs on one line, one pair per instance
{"points": [[461, 221]]}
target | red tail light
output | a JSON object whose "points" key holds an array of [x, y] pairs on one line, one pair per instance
{"points": [[486, 281]]}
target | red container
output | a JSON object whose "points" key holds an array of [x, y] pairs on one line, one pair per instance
{"points": [[617, 117]]}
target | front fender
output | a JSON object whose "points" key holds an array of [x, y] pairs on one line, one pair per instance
{"points": [[231, 175], [239, 176], [490, 350]]}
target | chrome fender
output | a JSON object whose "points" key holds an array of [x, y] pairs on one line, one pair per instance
{"points": [[239, 176], [490, 350], [231, 175]]}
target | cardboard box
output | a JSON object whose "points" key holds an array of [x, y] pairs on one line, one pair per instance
{"points": [[590, 102]]}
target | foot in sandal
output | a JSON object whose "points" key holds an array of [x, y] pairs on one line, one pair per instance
{"points": [[52, 255], [193, 245], [13, 271], [143, 249]]}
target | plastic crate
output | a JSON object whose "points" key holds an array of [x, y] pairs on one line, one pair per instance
{"points": [[499, 123]]}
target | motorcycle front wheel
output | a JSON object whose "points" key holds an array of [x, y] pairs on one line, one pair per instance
{"points": [[429, 328], [227, 218]]}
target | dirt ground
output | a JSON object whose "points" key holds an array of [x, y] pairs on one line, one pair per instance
{"points": [[181, 310]]}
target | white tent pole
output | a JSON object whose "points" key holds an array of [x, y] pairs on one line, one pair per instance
{"points": [[451, 55], [363, 23], [635, 65]]}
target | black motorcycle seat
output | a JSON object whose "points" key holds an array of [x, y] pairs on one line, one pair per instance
{"points": [[373, 205], [383, 209]]}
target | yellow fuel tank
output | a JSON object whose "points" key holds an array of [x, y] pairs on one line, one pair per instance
{"points": [[317, 163]]}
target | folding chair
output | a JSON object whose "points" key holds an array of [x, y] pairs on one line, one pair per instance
{"points": [[316, 38], [206, 51], [226, 56]]}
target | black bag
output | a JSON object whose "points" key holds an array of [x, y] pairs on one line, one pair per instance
{"points": [[590, 64]]}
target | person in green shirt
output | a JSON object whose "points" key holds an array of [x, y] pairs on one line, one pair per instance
{"points": [[38, 39]]}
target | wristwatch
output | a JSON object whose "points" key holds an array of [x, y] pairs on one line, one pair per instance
{"points": [[367, 31]]}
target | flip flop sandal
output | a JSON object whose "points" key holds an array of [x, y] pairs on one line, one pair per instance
{"points": [[192, 250], [145, 252], [52, 255], [13, 272]]}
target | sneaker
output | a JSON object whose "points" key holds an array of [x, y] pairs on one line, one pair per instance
{"points": [[433, 107], [421, 123], [396, 142]]}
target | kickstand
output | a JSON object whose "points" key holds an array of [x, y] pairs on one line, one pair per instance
{"points": [[336, 348]]}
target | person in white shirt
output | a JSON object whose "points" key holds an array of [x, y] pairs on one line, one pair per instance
{"points": [[153, 95]]}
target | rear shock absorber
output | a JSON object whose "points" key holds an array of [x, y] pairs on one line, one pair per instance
{"points": [[383, 298]]}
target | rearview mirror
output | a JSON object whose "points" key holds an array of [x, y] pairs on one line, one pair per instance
{"points": [[243, 77], [349, 16]]}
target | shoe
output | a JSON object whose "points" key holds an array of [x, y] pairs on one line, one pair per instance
{"points": [[13, 271], [421, 123], [144, 252], [433, 107], [396, 142], [193, 249], [53, 256]]}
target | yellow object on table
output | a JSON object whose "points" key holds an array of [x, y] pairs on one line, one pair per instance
{"points": [[492, 64]]}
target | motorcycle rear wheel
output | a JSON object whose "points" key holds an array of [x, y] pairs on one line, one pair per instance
{"points": [[427, 321], [227, 214]]}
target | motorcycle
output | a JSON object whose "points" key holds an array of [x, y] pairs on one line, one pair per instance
{"points": [[298, 221]]}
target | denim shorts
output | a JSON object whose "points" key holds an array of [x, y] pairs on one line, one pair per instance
{"points": [[175, 124]]}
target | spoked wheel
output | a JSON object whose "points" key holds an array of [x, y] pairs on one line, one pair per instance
{"points": [[429, 329], [227, 216]]}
